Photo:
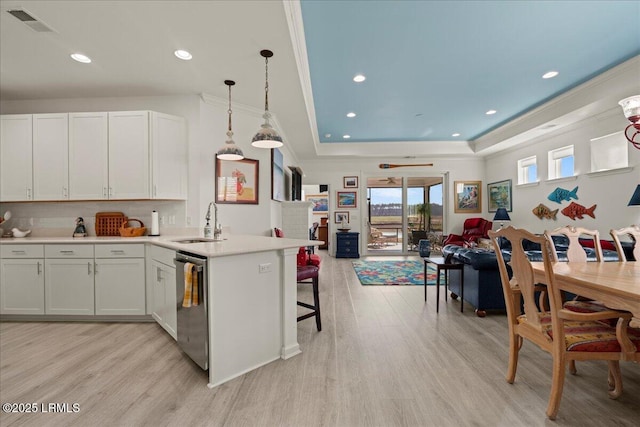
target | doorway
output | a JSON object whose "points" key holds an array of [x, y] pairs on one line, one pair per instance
{"points": [[401, 210]]}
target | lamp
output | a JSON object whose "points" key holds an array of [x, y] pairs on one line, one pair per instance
{"points": [[631, 108], [635, 199], [501, 215], [230, 150], [267, 137]]}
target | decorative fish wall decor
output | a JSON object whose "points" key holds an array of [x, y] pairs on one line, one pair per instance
{"points": [[541, 211], [560, 194], [575, 210]]}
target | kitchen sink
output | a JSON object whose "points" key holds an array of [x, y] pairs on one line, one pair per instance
{"points": [[195, 240]]}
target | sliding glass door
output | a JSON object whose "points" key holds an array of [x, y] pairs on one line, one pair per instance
{"points": [[401, 210]]}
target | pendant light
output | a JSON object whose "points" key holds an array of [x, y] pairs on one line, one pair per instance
{"points": [[267, 137], [230, 150]]}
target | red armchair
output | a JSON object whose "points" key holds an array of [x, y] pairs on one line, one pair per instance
{"points": [[474, 229]]}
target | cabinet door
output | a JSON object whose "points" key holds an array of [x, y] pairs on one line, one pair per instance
{"points": [[22, 286], [129, 155], [158, 292], [50, 156], [88, 156], [15, 157], [165, 311], [169, 157], [171, 298], [68, 286], [120, 286]]}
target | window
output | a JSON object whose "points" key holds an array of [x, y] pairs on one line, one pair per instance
{"points": [[609, 152], [527, 170], [561, 162]]}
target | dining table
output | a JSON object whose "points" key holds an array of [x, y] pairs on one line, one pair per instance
{"points": [[615, 284]]}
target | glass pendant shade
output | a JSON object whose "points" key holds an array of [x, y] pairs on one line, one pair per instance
{"points": [[230, 150], [266, 137]]}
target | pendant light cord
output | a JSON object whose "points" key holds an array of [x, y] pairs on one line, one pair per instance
{"points": [[266, 83], [229, 110]]}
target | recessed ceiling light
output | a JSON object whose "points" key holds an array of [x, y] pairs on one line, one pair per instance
{"points": [[455, 134], [327, 135], [351, 114], [346, 136], [550, 74], [183, 54], [490, 112], [81, 58], [359, 78]]}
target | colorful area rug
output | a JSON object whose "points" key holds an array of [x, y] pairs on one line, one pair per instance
{"points": [[394, 272]]}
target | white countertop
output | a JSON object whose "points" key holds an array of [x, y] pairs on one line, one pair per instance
{"points": [[232, 245]]}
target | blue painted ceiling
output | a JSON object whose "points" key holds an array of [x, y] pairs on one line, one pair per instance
{"points": [[433, 68]]}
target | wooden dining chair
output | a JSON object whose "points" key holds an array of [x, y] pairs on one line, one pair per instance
{"points": [[634, 233], [575, 251], [566, 335]]}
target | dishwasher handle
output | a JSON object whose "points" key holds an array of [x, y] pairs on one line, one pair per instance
{"points": [[182, 261]]}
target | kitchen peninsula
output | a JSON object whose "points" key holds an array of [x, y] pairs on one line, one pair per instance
{"points": [[251, 290]]}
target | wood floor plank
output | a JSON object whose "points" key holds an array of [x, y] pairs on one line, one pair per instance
{"points": [[383, 358]]}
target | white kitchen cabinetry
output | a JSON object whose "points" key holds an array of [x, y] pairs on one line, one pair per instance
{"points": [[16, 180], [50, 156], [68, 281], [22, 279], [129, 155], [163, 289], [168, 157], [120, 279], [88, 156]]}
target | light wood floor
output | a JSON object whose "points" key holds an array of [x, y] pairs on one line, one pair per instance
{"points": [[383, 358]]}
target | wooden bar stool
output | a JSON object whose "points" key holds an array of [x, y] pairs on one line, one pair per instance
{"points": [[310, 272]]}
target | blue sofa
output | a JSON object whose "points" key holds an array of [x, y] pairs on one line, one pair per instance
{"points": [[482, 286]]}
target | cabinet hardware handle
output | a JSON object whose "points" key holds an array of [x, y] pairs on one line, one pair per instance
{"points": [[39, 269], [67, 252], [88, 268], [95, 268], [117, 251], [29, 193], [158, 274], [19, 252], [64, 192], [110, 191], [104, 192]]}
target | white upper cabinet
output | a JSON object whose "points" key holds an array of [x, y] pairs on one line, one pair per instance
{"points": [[50, 156], [16, 180], [88, 156], [93, 156], [129, 155], [169, 157]]}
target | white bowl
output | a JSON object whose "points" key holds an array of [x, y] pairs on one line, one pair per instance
{"points": [[19, 233]]}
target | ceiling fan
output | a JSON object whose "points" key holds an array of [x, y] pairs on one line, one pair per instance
{"points": [[390, 180]]}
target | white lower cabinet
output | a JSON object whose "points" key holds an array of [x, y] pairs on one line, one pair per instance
{"points": [[68, 286], [22, 286], [163, 289], [120, 286]]}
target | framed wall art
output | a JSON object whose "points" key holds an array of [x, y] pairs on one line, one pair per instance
{"points": [[277, 176], [319, 203], [499, 194], [237, 181], [339, 217], [350, 182], [347, 199], [467, 196]]}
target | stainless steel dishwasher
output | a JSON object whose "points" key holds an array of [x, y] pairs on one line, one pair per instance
{"points": [[193, 322]]}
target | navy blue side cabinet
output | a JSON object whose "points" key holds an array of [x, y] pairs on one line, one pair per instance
{"points": [[347, 245]]}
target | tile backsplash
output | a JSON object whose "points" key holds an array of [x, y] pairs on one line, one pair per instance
{"points": [[58, 218]]}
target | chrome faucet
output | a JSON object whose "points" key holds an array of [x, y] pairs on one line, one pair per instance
{"points": [[217, 229]]}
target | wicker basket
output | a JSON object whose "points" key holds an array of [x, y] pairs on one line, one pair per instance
{"points": [[109, 223], [126, 231]]}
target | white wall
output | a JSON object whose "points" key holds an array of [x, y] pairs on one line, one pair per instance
{"points": [[611, 193], [332, 170]]}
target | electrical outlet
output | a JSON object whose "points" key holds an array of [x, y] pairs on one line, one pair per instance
{"points": [[264, 268], [163, 220]]}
